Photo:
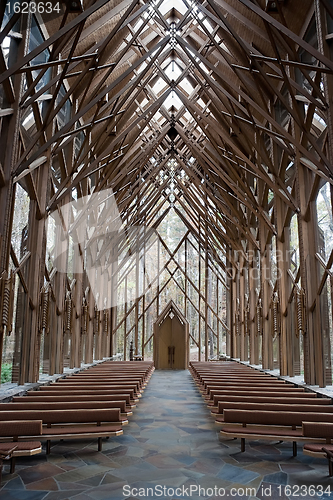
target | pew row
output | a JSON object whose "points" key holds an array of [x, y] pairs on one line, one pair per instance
{"points": [[94, 423], [40, 397], [92, 387], [269, 425], [222, 395], [216, 395], [72, 405], [261, 399], [282, 407], [83, 392]]}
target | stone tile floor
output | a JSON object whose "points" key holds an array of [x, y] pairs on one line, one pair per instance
{"points": [[171, 442]]}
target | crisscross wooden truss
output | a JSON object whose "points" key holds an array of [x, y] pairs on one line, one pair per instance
{"points": [[228, 101]]}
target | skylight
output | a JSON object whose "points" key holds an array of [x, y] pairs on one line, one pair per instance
{"points": [[185, 84], [167, 5], [159, 85], [173, 100], [173, 71]]}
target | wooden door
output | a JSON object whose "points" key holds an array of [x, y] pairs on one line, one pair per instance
{"points": [[171, 344]]}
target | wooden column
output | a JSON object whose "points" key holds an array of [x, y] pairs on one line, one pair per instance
{"points": [[199, 299], [206, 298], [89, 344], [242, 336], [229, 305], [284, 289], [313, 341], [253, 285], [76, 318], [266, 293], [57, 330], [137, 293]]}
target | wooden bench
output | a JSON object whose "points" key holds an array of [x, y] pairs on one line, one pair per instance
{"points": [[243, 383], [95, 423], [244, 378], [93, 387], [259, 387], [99, 379], [40, 396], [226, 405], [322, 430], [11, 431], [262, 399], [252, 390], [65, 405], [229, 367], [85, 377], [222, 395], [84, 392], [99, 382], [271, 425], [115, 367]]}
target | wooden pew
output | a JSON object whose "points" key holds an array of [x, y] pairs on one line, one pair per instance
{"points": [[84, 392], [65, 405], [221, 395], [280, 407], [95, 423], [13, 430], [36, 396], [321, 430], [271, 425], [213, 391], [231, 398], [92, 387]]}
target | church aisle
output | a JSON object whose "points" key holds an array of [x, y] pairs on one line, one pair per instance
{"points": [[170, 446]]}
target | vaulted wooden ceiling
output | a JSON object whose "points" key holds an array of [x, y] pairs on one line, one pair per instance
{"points": [[180, 104]]}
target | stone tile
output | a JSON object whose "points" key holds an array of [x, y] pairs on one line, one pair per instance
{"points": [[82, 473], [265, 448], [106, 492], [13, 484], [30, 461], [59, 495], [264, 467], [23, 495], [91, 481], [80, 496], [291, 468], [39, 472], [185, 459], [163, 461], [278, 478], [206, 466], [110, 479], [245, 457], [96, 459], [233, 474], [319, 475], [48, 484], [119, 451], [71, 486]]}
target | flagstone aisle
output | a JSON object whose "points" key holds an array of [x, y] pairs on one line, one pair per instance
{"points": [[171, 441]]}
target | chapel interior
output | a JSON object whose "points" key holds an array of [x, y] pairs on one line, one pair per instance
{"points": [[166, 215]]}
